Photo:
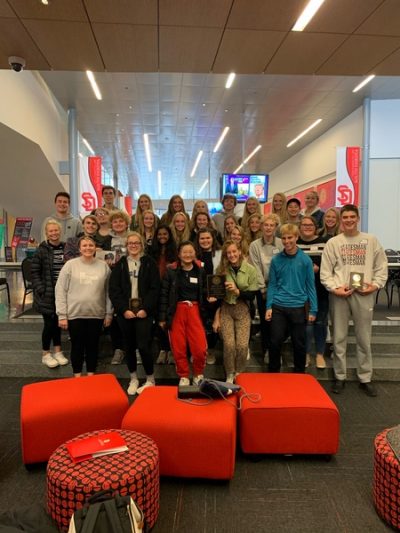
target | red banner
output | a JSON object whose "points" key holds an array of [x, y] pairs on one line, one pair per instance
{"points": [[95, 176], [90, 184], [128, 205], [347, 175], [22, 230]]}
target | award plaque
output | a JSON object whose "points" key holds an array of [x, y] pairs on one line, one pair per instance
{"points": [[135, 304], [216, 286], [356, 280]]}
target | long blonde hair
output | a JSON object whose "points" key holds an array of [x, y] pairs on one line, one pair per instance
{"points": [[180, 236], [142, 227], [137, 218], [246, 214], [244, 247], [249, 235], [336, 231], [282, 215], [224, 263]]}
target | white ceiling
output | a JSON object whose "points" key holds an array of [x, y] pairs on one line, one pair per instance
{"points": [[139, 49]]}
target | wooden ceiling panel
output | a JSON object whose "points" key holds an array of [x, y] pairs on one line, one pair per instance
{"points": [[16, 41], [122, 11], [384, 21], [188, 49], [303, 53], [359, 54], [390, 66], [5, 9], [265, 14], [66, 45], [127, 48], [206, 14], [34, 9], [246, 52], [342, 16]]}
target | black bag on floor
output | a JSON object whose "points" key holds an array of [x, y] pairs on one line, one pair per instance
{"points": [[105, 513]]}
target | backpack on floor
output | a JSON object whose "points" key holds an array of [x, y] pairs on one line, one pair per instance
{"points": [[105, 513]]}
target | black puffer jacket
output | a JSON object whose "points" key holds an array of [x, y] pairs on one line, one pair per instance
{"points": [[43, 280], [169, 293], [148, 285]]}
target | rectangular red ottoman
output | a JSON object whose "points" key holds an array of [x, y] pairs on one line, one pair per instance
{"points": [[295, 415], [55, 411], [194, 441]]}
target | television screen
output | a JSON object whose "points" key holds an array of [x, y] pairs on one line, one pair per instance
{"points": [[245, 185]]}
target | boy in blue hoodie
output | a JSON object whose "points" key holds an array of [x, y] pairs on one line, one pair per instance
{"points": [[291, 299]]}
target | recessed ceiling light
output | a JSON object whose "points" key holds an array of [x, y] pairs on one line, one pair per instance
{"points": [[230, 79], [256, 149], [204, 105], [221, 138], [363, 83], [94, 85], [307, 14], [196, 163], [304, 132], [147, 150], [159, 182], [45, 2], [225, 110]]}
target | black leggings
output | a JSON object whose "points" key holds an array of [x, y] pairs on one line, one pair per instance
{"points": [[137, 334], [85, 335], [51, 332]]}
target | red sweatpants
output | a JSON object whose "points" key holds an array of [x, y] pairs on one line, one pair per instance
{"points": [[187, 327]]}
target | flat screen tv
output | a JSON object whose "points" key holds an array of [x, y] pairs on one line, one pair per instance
{"points": [[245, 185]]}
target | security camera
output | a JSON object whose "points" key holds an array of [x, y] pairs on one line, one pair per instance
{"points": [[17, 63]]}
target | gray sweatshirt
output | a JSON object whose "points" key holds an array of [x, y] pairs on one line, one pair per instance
{"points": [[70, 226], [362, 253], [82, 290], [260, 255]]}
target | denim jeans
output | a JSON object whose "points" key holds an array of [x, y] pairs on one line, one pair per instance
{"points": [[318, 330]]}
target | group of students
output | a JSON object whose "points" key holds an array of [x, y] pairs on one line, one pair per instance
{"points": [[157, 283]]}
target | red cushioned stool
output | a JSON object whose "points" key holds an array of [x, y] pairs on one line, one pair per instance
{"points": [[54, 411], [294, 416], [386, 480], [194, 441], [134, 473]]}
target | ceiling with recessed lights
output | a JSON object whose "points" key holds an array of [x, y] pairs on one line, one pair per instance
{"points": [[161, 67]]}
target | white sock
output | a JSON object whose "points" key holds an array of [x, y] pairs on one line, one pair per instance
{"points": [[133, 375], [150, 378]]}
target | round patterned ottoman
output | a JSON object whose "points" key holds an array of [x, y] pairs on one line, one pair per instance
{"points": [[386, 481], [134, 473]]}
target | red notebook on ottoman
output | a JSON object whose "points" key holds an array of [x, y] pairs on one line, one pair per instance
{"points": [[90, 447]]}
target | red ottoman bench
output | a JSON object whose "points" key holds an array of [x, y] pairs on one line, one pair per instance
{"points": [[193, 441], [134, 473], [55, 411], [294, 416]]}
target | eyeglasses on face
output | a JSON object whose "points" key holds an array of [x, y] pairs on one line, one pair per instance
{"points": [[136, 243]]}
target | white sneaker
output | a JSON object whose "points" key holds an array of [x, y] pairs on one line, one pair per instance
{"points": [[248, 354], [146, 385], [197, 379], [133, 387], [183, 382], [266, 357], [230, 378], [118, 357], [60, 358], [49, 361], [210, 358], [162, 358], [308, 360]]}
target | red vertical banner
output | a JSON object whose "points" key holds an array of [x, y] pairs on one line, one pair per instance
{"points": [[128, 204], [347, 175], [95, 176]]}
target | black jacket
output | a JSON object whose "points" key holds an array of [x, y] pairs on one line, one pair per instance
{"points": [[169, 293], [43, 280], [148, 285]]}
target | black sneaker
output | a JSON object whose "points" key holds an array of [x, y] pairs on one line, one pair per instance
{"points": [[369, 389], [338, 386]]}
